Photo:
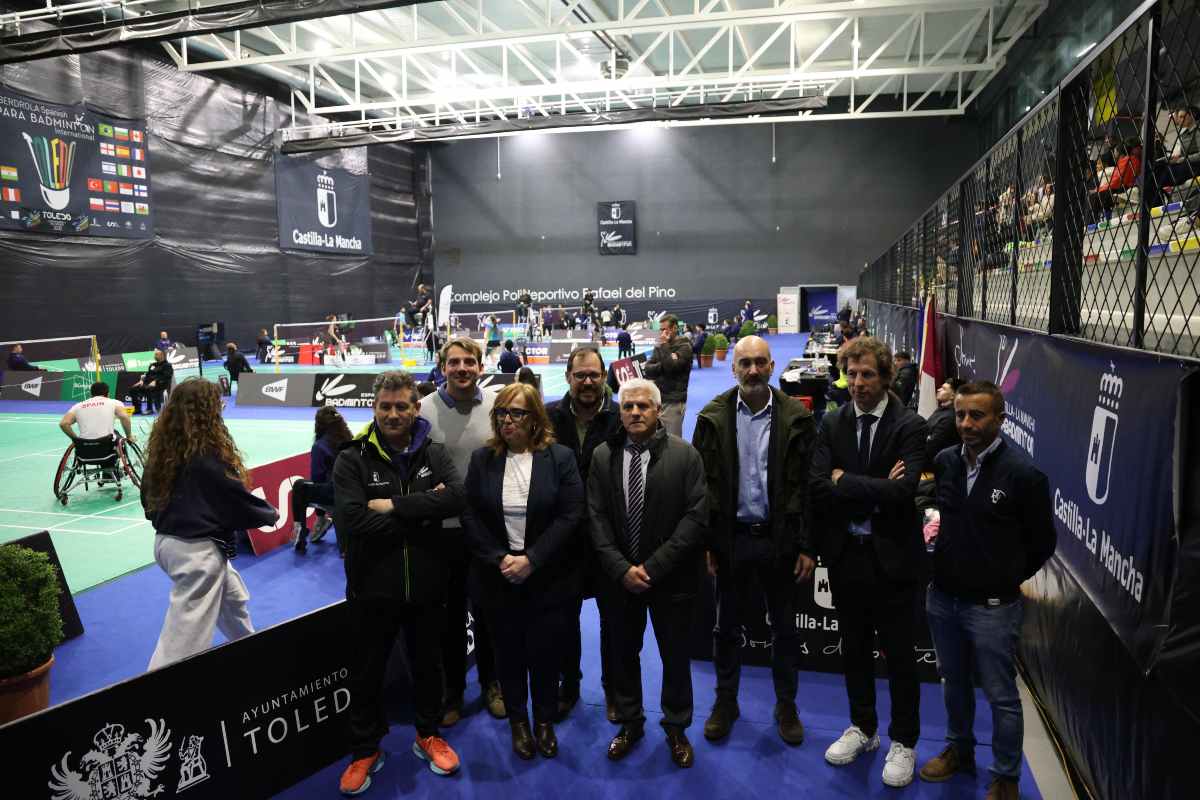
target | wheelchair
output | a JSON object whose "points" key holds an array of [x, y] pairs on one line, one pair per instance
{"points": [[104, 462]]}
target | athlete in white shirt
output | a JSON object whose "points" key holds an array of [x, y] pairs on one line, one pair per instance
{"points": [[96, 416]]}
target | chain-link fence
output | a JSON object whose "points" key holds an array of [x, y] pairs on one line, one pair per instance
{"points": [[1083, 220]]}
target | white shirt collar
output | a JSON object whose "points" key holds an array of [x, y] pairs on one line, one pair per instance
{"points": [[877, 411]]}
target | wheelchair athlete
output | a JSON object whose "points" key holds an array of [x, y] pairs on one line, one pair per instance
{"points": [[97, 417]]}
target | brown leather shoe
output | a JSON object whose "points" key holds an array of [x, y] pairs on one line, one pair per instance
{"points": [[681, 749], [791, 729], [946, 765], [623, 742], [522, 740], [495, 700], [547, 742], [1001, 789], [452, 711], [720, 721]]}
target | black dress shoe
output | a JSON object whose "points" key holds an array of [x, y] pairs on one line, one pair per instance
{"points": [[547, 742], [522, 740], [681, 749], [623, 742], [568, 696], [791, 730], [720, 722]]}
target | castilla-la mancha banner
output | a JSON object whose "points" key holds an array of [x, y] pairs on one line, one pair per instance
{"points": [[69, 170], [322, 210]]}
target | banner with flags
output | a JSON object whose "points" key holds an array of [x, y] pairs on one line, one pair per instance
{"points": [[932, 374]]}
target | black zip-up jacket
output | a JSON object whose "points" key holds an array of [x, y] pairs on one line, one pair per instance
{"points": [[673, 523], [161, 373], [999, 535], [236, 363], [943, 433], [401, 555], [671, 374]]}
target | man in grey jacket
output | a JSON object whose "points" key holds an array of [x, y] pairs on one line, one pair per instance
{"points": [[648, 508], [670, 365]]}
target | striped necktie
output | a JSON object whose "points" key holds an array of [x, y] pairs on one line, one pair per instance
{"points": [[636, 501]]}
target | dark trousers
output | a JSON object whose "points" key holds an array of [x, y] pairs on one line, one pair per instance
{"points": [[1167, 174], [454, 635], [376, 623], [572, 643], [625, 352], [527, 637], [753, 574], [868, 602], [671, 617], [304, 494], [152, 396]]}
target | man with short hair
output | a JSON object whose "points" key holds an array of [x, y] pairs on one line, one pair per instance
{"points": [[393, 488], [509, 361], [17, 360], [943, 432], [164, 342], [235, 362], [756, 443], [150, 387], [701, 335], [1183, 162], [997, 531], [646, 500], [670, 366], [97, 416], [906, 377], [459, 414], [624, 342], [584, 419], [865, 470]]}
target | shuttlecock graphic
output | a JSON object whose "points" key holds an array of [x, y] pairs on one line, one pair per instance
{"points": [[54, 160]]}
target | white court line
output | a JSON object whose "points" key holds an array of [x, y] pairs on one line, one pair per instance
{"points": [[57, 453], [34, 529], [137, 524], [64, 514]]}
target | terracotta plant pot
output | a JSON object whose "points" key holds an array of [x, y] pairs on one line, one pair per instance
{"points": [[706, 361], [22, 695], [720, 354], [772, 331]]}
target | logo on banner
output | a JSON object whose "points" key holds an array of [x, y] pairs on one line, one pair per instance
{"points": [[175, 358], [326, 200], [822, 594], [276, 390], [192, 767], [614, 212], [333, 387], [121, 767], [33, 386], [54, 160], [1006, 377], [1103, 438]]}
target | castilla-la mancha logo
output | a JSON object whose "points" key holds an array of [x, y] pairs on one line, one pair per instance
{"points": [[121, 767], [326, 200], [1103, 438]]}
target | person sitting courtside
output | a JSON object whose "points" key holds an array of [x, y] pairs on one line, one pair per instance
{"points": [[17, 360]]}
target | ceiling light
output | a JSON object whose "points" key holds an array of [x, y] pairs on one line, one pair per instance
{"points": [[322, 46], [389, 79]]}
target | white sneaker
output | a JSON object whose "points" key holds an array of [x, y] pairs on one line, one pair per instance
{"points": [[898, 767], [851, 745], [1183, 226]]}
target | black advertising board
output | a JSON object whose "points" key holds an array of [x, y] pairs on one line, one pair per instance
{"points": [[344, 390], [322, 210], [70, 170], [616, 223], [280, 716], [42, 543]]}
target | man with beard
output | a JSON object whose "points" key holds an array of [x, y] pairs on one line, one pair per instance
{"points": [[582, 420], [756, 443], [460, 415]]}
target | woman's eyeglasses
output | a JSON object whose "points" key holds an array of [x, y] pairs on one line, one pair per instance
{"points": [[517, 414]]}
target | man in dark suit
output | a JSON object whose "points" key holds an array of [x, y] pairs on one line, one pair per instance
{"points": [[865, 469], [906, 377], [943, 432]]}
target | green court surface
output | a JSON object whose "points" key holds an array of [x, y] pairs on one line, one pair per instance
{"points": [[97, 537]]}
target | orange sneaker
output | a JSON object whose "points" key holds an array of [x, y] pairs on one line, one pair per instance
{"points": [[441, 757], [357, 777]]}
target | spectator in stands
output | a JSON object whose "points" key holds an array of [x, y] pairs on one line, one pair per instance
{"points": [[1182, 164], [195, 490], [150, 387], [263, 346], [460, 413], [528, 377], [865, 469], [330, 432], [235, 361], [990, 541], [394, 487], [164, 342], [1121, 177], [699, 337], [509, 361], [906, 377], [649, 552], [624, 342], [860, 328], [1039, 209], [942, 431], [17, 360], [524, 506], [670, 367]]}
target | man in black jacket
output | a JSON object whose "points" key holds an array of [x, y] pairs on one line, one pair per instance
{"points": [[868, 460], [150, 387], [647, 505], [670, 367], [756, 443], [393, 488], [235, 362], [997, 530], [906, 377], [17, 360], [582, 420], [943, 432]]}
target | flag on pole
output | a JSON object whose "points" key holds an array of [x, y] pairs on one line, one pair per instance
{"points": [[931, 360]]}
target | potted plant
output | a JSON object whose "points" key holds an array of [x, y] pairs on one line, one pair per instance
{"points": [[772, 324], [30, 629], [748, 329], [720, 345], [706, 352]]}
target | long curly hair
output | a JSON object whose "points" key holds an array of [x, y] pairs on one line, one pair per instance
{"points": [[329, 422], [190, 426]]}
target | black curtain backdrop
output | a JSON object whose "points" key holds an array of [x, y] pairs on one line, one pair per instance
{"points": [[215, 255]]}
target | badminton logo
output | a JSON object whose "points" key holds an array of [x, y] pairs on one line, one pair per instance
{"points": [[54, 159], [276, 390], [333, 387], [326, 200]]}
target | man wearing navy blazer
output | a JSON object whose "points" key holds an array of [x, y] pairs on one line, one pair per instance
{"points": [[868, 460]]}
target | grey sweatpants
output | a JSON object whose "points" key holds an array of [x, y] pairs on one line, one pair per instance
{"points": [[206, 593]]}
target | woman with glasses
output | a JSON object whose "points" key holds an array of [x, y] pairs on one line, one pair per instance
{"points": [[524, 506]]}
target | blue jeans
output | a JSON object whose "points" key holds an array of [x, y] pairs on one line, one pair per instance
{"points": [[975, 641]]}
